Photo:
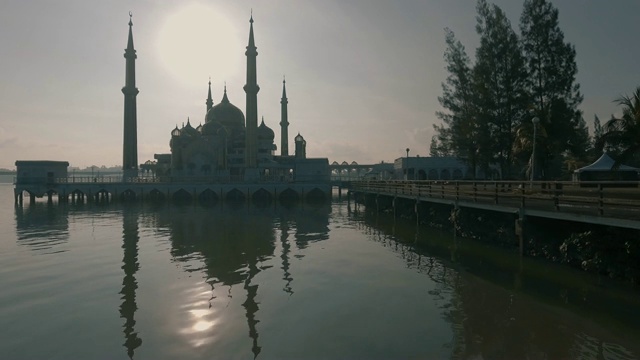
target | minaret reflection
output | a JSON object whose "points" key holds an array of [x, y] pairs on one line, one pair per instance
{"points": [[130, 266], [286, 249], [251, 306]]}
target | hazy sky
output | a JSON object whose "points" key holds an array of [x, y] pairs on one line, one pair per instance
{"points": [[363, 76]]}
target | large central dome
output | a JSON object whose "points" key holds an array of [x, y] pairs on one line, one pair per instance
{"points": [[225, 113]]}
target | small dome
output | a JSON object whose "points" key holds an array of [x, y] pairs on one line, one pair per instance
{"points": [[188, 130], [176, 131], [225, 113], [265, 132], [299, 138]]}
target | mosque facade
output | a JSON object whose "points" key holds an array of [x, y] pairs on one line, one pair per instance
{"points": [[230, 146]]}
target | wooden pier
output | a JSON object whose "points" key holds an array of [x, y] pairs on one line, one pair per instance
{"points": [[614, 204]]}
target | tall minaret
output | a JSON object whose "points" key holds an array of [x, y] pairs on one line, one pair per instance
{"points": [[209, 99], [284, 123], [130, 143], [251, 89]]}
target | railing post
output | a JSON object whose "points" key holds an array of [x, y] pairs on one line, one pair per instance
{"points": [[522, 191], [475, 192], [457, 191], [495, 198], [442, 190], [556, 195]]}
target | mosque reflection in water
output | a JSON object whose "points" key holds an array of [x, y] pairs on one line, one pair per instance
{"points": [[232, 243]]}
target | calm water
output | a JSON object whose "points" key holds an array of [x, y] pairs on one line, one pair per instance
{"points": [[167, 282]]}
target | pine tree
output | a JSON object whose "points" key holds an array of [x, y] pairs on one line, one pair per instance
{"points": [[459, 129], [500, 78], [555, 95]]}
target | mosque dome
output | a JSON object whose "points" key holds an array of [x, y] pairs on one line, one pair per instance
{"points": [[225, 113], [265, 132], [211, 128]]}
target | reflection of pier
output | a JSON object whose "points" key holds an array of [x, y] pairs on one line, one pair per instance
{"points": [[498, 305]]}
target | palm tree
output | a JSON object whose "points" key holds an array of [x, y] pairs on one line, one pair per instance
{"points": [[621, 136]]}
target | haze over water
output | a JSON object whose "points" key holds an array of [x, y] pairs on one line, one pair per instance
{"points": [[140, 281]]}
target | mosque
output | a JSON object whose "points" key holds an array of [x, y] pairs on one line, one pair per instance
{"points": [[228, 146], [227, 150]]}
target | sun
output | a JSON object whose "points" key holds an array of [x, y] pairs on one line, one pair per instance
{"points": [[197, 41]]}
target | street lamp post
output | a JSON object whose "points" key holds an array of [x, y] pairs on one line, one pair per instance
{"points": [[407, 165], [535, 122]]}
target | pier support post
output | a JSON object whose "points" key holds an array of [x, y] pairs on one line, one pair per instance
{"points": [[394, 205], [455, 213], [520, 227]]}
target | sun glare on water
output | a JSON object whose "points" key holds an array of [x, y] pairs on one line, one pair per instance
{"points": [[198, 41]]}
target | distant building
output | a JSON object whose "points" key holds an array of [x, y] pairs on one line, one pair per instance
{"points": [[437, 168], [382, 171], [40, 171]]}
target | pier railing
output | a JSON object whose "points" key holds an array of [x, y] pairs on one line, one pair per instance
{"points": [[614, 199]]}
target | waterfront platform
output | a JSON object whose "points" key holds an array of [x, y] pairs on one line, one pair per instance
{"points": [[185, 189]]}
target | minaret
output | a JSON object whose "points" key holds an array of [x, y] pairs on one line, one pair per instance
{"points": [[130, 143], [284, 124], [251, 89], [209, 99]]}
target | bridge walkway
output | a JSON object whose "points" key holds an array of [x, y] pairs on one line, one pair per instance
{"points": [[603, 203]]}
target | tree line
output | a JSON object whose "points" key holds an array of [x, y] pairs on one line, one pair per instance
{"points": [[519, 85]]}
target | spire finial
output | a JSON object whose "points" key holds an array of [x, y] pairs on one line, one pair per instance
{"points": [[251, 19], [209, 101], [225, 99], [130, 48], [284, 89]]}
